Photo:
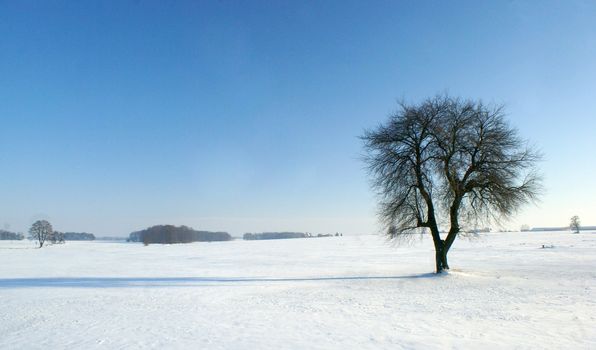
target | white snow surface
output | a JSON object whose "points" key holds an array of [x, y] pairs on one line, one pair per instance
{"points": [[504, 291]]}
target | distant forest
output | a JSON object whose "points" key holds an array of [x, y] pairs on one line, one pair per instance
{"points": [[7, 235], [169, 234], [78, 236]]}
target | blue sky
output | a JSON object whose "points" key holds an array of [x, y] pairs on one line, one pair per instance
{"points": [[245, 116]]}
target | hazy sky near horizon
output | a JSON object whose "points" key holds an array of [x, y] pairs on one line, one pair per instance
{"points": [[245, 116]]}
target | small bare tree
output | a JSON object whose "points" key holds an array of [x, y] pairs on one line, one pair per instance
{"points": [[575, 224], [452, 159], [40, 231], [56, 237]]}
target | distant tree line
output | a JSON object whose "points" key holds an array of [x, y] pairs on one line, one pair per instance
{"points": [[170, 234], [78, 236], [274, 235], [53, 236], [135, 236], [283, 235], [110, 238], [7, 235]]}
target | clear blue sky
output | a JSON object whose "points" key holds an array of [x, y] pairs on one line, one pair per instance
{"points": [[245, 116]]}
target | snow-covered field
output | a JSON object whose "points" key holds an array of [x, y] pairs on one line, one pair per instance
{"points": [[504, 291]]}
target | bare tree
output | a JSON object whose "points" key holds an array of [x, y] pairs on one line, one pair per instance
{"points": [[56, 237], [575, 224], [60, 237], [40, 231], [448, 159]]}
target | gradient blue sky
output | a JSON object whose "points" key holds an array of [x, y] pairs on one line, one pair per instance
{"points": [[245, 116]]}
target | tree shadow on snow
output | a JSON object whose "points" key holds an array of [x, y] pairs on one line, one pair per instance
{"points": [[125, 282]]}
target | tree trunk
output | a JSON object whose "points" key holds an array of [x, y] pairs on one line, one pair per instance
{"points": [[441, 257]]}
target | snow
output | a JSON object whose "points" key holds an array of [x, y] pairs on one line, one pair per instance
{"points": [[358, 292]]}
